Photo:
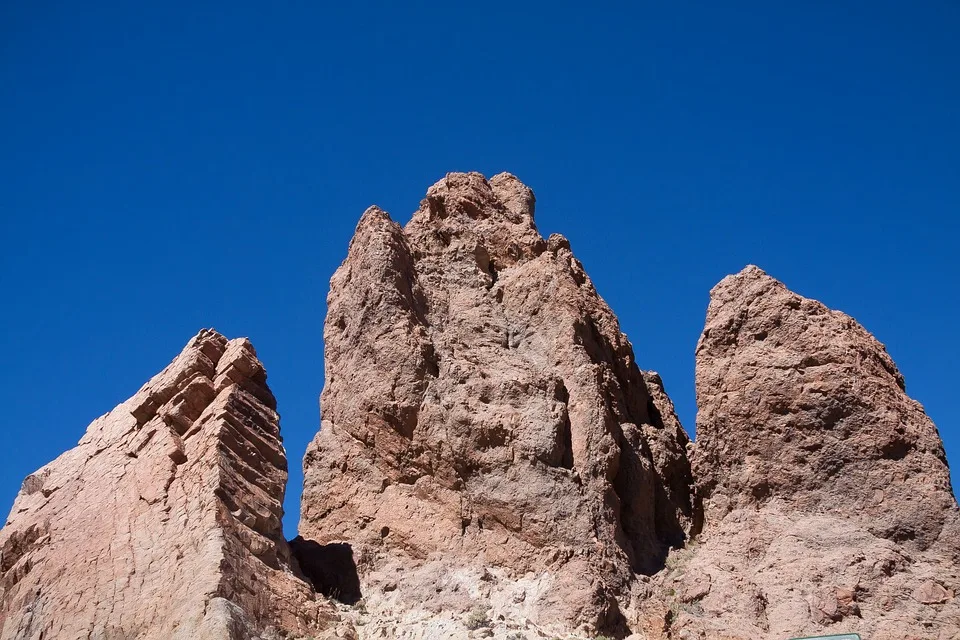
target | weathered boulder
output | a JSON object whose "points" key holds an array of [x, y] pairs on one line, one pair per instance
{"points": [[487, 438], [165, 521], [826, 494]]}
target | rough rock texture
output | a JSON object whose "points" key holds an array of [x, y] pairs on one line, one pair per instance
{"points": [[165, 521], [802, 404], [487, 438], [493, 464], [826, 494]]}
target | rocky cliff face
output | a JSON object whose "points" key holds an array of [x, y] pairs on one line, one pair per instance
{"points": [[826, 494], [493, 463], [487, 436], [164, 522]]}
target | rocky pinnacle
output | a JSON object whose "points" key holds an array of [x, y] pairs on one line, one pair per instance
{"points": [[484, 414], [165, 521], [493, 463], [826, 495]]}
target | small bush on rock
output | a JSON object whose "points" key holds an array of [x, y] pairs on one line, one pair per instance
{"points": [[478, 618]]}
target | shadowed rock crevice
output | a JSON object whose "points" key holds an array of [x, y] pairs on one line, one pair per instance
{"points": [[330, 568], [565, 443]]}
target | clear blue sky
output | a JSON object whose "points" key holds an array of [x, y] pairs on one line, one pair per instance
{"points": [[171, 166]]}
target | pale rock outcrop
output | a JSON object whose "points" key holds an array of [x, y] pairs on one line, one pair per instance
{"points": [[826, 494], [487, 438], [165, 521]]}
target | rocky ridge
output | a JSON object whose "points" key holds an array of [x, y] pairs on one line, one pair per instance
{"points": [[492, 462]]}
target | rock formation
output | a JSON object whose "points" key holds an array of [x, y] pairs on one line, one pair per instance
{"points": [[493, 463], [487, 438], [826, 494], [165, 521]]}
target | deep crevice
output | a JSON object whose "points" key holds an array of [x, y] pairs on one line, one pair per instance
{"points": [[330, 568], [565, 429]]}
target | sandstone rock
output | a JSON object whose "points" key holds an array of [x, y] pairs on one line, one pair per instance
{"points": [[165, 521], [800, 404], [815, 469], [833, 605], [931, 592], [696, 589], [484, 413], [492, 463]]}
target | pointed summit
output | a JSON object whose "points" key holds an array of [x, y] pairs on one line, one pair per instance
{"points": [[826, 495], [816, 411], [487, 434], [464, 214], [165, 521]]}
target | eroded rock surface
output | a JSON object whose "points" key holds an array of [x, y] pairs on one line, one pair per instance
{"points": [[826, 493], [165, 521], [493, 463], [487, 437]]}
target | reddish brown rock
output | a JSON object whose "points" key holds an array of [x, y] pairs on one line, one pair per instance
{"points": [[487, 437], [165, 521], [493, 463], [800, 404], [826, 493], [931, 592], [833, 605]]}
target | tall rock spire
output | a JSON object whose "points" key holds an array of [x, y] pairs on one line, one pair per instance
{"points": [[826, 494], [801, 405], [483, 415], [165, 521]]}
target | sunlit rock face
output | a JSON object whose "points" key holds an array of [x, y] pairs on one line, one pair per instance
{"points": [[164, 521], [492, 463], [826, 494], [484, 417]]}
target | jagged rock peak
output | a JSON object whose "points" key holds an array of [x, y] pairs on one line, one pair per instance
{"points": [[472, 195], [801, 403], [466, 213], [166, 517], [826, 495], [483, 414], [374, 215]]}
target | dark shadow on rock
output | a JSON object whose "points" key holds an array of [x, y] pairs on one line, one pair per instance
{"points": [[613, 624], [329, 567]]}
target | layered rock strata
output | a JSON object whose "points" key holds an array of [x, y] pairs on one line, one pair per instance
{"points": [[165, 521], [487, 438], [825, 488]]}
